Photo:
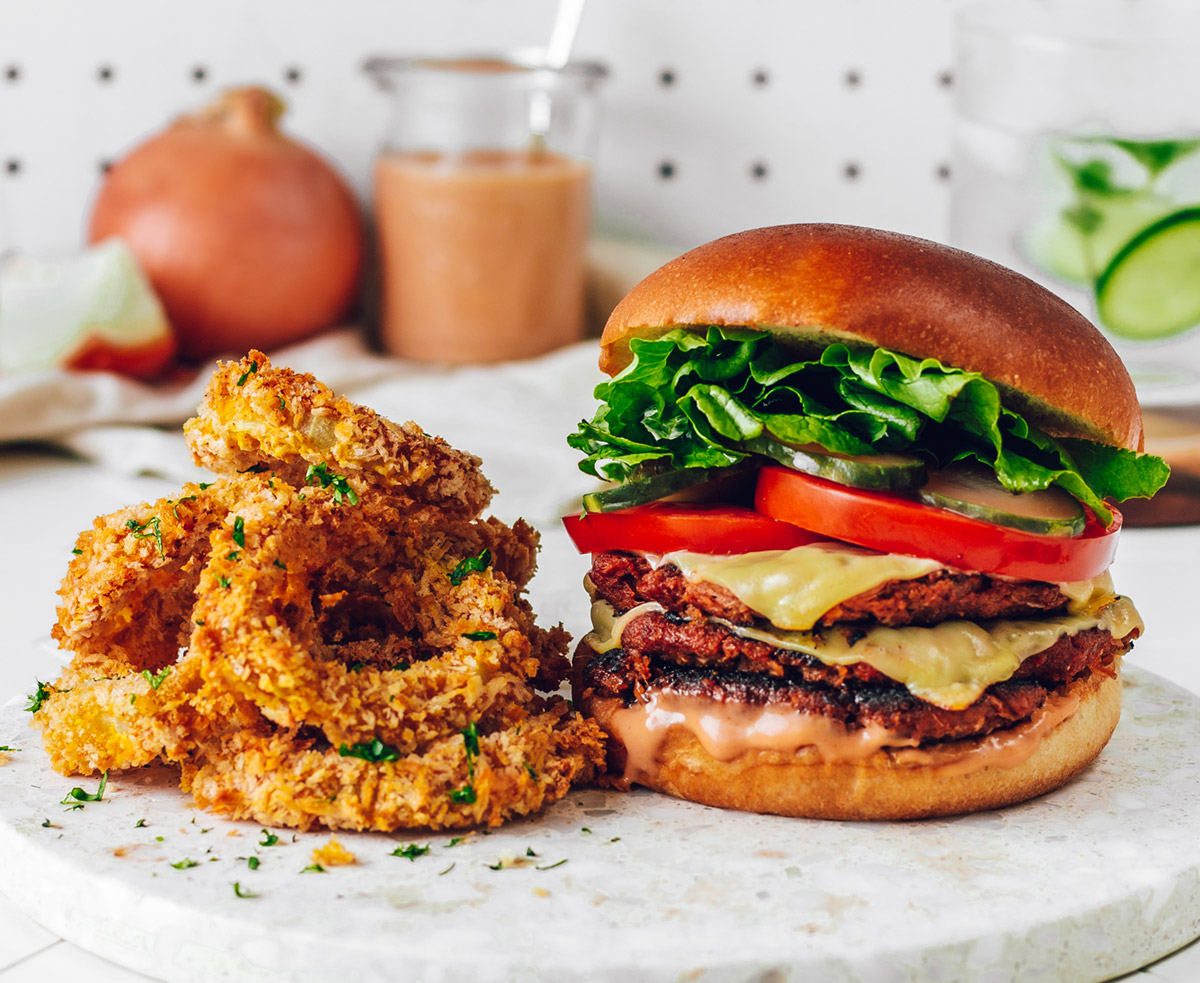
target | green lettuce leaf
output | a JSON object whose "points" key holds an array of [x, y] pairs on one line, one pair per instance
{"points": [[695, 400]]}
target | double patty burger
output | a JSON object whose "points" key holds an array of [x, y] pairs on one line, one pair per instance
{"points": [[852, 560]]}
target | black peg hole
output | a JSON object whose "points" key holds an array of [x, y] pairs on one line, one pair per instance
{"points": [[667, 78], [943, 172], [759, 170], [12, 73], [852, 171], [106, 73], [199, 74], [12, 166], [945, 80], [293, 76], [760, 78], [666, 169], [104, 166], [853, 78]]}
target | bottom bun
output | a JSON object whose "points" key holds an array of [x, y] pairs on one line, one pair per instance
{"points": [[887, 784]]}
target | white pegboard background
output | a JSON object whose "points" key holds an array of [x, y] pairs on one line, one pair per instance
{"points": [[718, 115]]}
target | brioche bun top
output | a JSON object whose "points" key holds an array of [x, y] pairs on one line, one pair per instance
{"points": [[813, 285]]}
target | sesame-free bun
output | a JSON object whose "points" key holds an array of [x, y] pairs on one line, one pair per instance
{"points": [[812, 285], [881, 786]]}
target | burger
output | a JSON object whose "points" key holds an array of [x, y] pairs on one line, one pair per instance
{"points": [[851, 558]]}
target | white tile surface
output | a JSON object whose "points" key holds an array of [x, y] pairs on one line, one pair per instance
{"points": [[20, 936], [66, 963]]}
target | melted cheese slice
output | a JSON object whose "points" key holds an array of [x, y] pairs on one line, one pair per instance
{"points": [[950, 664], [793, 588]]}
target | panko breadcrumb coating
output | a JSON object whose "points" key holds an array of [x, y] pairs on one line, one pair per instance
{"points": [[329, 634]]}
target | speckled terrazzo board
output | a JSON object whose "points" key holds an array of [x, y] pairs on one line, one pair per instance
{"points": [[1089, 882]]}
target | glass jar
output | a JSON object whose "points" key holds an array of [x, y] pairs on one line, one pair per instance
{"points": [[483, 199]]}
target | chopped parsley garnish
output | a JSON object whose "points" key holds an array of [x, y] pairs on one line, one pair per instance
{"points": [[233, 555], [39, 696], [472, 564], [223, 581], [186, 498], [77, 551], [139, 824], [552, 866], [529, 770], [255, 469], [446, 871], [466, 794], [269, 838], [237, 889], [156, 679], [357, 666], [320, 474], [8, 747], [282, 402], [479, 636], [584, 829], [456, 840], [239, 530], [206, 484], [252, 863], [185, 863], [313, 869], [154, 525], [76, 798], [374, 750], [249, 372], [279, 563], [49, 825], [410, 851]]}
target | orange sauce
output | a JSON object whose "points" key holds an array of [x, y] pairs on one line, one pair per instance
{"points": [[482, 253]]}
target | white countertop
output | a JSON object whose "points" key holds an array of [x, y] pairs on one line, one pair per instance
{"points": [[45, 500]]}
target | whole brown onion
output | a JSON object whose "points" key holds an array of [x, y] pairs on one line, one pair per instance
{"points": [[250, 239]]}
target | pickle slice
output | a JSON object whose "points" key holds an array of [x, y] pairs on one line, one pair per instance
{"points": [[972, 490], [684, 484], [876, 472], [1151, 289]]}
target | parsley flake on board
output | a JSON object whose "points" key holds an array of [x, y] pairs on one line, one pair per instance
{"points": [[249, 372], [374, 750], [479, 636], [237, 889], [472, 564], [252, 862], [156, 679], [319, 474], [269, 838], [185, 863], [8, 747], [77, 797], [154, 525], [139, 824], [49, 825], [313, 869], [410, 851]]}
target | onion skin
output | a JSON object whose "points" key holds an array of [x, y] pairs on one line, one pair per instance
{"points": [[250, 239]]}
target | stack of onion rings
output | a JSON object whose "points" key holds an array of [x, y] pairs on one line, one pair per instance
{"points": [[326, 634]]}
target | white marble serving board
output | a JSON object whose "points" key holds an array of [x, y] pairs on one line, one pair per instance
{"points": [[1091, 881]]}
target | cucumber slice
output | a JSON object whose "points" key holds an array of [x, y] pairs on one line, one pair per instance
{"points": [[1151, 289], [877, 472], [972, 490], [682, 485]]}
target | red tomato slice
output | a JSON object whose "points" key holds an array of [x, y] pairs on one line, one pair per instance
{"points": [[900, 525], [661, 527]]}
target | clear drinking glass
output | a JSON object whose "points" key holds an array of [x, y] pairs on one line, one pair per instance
{"points": [[483, 201], [1077, 162]]}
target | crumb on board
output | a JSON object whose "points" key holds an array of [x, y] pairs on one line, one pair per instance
{"points": [[333, 854]]}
